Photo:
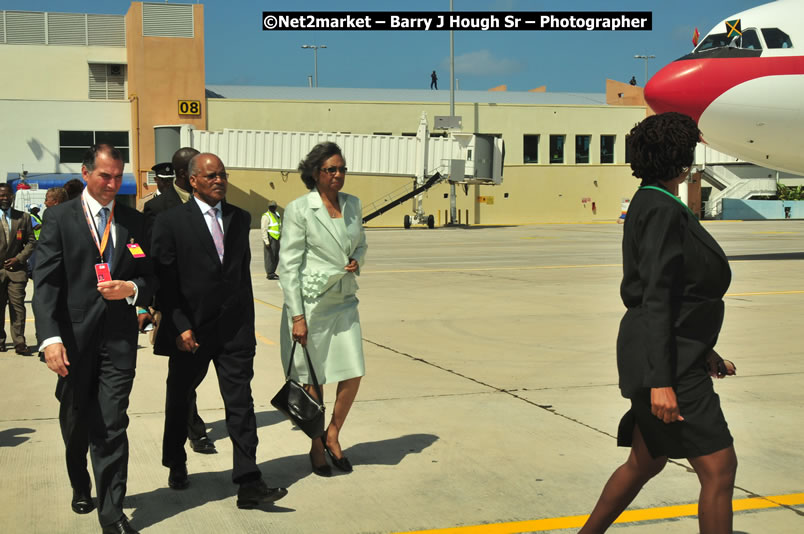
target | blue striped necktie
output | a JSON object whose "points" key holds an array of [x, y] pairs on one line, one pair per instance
{"points": [[103, 215]]}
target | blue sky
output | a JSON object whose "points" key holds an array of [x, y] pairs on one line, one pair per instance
{"points": [[238, 52]]}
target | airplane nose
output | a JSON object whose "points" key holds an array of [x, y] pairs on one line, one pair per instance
{"points": [[679, 87]]}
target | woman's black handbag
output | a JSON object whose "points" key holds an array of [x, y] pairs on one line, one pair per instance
{"points": [[298, 405]]}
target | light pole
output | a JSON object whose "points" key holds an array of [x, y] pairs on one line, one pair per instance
{"points": [[646, 58], [315, 60]]}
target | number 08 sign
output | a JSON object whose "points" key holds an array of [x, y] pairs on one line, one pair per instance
{"points": [[189, 107]]}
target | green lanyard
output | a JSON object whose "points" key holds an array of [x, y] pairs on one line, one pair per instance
{"points": [[669, 194]]}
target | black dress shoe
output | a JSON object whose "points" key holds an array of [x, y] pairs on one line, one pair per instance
{"points": [[22, 349], [120, 526], [177, 479], [341, 463], [321, 470], [82, 502], [203, 445], [2, 346], [252, 494], [273, 277]]}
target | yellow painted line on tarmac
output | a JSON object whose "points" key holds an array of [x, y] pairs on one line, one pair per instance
{"points": [[755, 293], [629, 516], [774, 233], [484, 225], [482, 269], [264, 339], [267, 304]]}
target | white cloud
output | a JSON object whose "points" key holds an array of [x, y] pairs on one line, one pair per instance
{"points": [[484, 63]]}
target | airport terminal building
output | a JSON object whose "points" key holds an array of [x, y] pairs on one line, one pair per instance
{"points": [[76, 79]]}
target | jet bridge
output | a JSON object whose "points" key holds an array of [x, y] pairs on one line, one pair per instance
{"points": [[460, 157]]}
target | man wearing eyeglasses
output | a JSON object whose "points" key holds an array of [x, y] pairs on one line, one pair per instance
{"points": [[178, 192], [202, 255]]}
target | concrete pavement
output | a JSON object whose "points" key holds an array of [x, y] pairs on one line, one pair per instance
{"points": [[490, 396]]}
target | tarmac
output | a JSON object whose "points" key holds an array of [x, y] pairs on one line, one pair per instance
{"points": [[490, 402]]}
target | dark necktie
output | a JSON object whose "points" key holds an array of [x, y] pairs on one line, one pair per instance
{"points": [[103, 215]]}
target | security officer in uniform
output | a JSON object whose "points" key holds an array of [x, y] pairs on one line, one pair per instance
{"points": [[271, 226]]}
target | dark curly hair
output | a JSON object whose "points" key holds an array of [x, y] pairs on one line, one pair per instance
{"points": [[661, 146], [310, 165]]}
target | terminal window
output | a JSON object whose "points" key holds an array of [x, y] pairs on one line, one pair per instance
{"points": [[557, 148], [607, 148], [531, 150], [74, 143], [582, 143]]}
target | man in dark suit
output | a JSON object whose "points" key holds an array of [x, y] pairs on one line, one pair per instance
{"points": [[92, 268], [17, 242], [174, 194], [201, 250], [179, 191]]}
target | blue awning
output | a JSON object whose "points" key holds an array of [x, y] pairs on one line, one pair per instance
{"points": [[48, 180]]}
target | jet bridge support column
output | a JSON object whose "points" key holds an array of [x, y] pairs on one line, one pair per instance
{"points": [[422, 143]]}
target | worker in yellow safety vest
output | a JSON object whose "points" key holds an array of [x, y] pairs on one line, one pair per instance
{"points": [[36, 221], [271, 225]]}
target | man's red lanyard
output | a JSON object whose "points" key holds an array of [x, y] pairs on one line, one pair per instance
{"points": [[93, 229]]}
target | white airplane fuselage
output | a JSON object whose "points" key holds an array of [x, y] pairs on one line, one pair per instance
{"points": [[745, 91]]}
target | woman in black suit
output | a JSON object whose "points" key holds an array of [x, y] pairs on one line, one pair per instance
{"points": [[674, 279]]}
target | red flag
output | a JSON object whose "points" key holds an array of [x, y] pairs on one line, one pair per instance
{"points": [[695, 36]]}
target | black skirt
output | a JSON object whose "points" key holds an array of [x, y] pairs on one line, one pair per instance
{"points": [[703, 431]]}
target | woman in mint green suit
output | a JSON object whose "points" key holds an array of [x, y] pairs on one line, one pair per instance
{"points": [[322, 250]]}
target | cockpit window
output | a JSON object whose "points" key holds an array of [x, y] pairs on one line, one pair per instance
{"points": [[776, 38], [749, 40], [714, 40]]}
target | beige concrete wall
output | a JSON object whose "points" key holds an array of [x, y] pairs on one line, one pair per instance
{"points": [[536, 192], [30, 131], [52, 72], [535, 195], [511, 120], [252, 189]]}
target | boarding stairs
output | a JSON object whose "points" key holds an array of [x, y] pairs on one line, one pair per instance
{"points": [[399, 196], [728, 184], [730, 177]]}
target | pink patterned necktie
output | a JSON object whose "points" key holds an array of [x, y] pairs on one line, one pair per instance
{"points": [[217, 233]]}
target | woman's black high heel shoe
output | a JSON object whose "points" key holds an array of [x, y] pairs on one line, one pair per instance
{"points": [[342, 463], [321, 470]]}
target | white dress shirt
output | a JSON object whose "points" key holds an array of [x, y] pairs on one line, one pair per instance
{"points": [[94, 208]]}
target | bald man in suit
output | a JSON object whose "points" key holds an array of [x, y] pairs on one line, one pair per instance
{"points": [[202, 254], [177, 192]]}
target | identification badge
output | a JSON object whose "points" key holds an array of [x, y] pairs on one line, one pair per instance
{"points": [[102, 272], [136, 250], [19, 235]]}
